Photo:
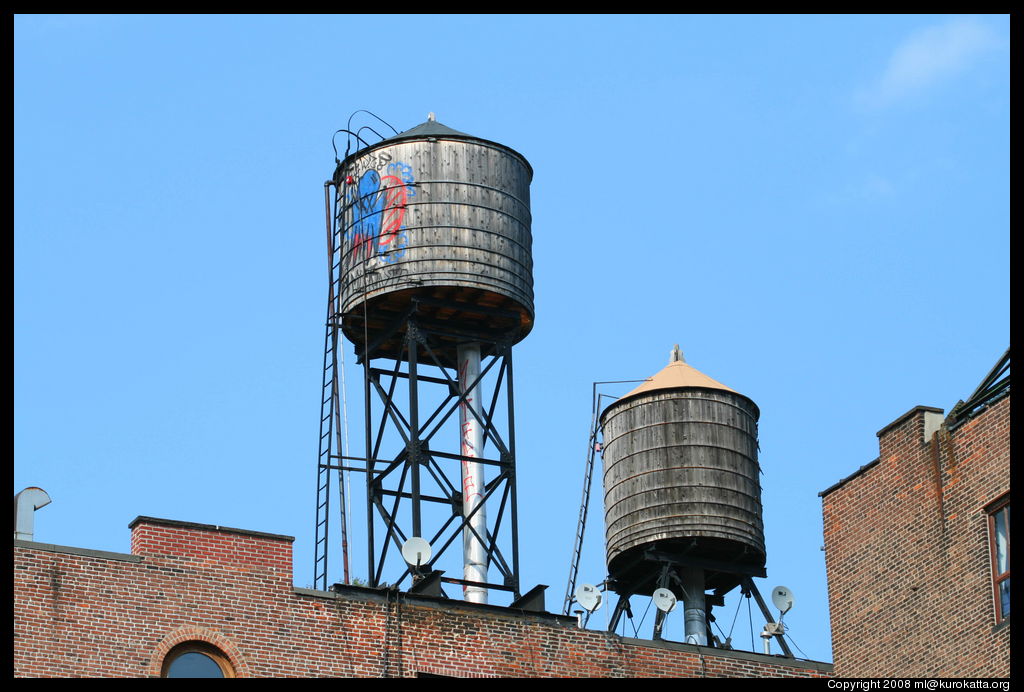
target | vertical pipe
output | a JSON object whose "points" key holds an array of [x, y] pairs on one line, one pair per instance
{"points": [[414, 431], [694, 614], [474, 549], [368, 431]]}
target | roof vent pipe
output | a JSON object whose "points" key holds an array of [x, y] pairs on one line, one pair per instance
{"points": [[25, 505]]}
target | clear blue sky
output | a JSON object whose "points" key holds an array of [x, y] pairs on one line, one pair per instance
{"points": [[815, 208]]}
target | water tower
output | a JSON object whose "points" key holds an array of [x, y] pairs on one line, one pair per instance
{"points": [[682, 493], [431, 280]]}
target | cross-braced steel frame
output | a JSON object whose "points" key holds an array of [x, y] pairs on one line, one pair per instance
{"points": [[665, 570], [418, 471]]}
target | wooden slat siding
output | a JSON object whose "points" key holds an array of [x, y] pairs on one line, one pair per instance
{"points": [[468, 239], [682, 464]]}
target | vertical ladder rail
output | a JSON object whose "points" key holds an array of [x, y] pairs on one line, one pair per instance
{"points": [[329, 426], [588, 475], [581, 525]]}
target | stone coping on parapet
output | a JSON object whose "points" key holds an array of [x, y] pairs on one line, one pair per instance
{"points": [[85, 552], [908, 414], [208, 527], [370, 594]]}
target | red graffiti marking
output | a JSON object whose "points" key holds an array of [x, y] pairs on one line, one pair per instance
{"points": [[394, 210]]}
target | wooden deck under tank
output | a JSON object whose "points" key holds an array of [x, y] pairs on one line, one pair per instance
{"points": [[448, 314]]}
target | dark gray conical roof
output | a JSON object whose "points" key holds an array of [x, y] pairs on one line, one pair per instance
{"points": [[431, 128]]}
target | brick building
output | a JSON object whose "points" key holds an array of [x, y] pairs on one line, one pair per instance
{"points": [[188, 589], [917, 545]]}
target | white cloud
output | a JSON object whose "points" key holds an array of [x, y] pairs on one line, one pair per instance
{"points": [[930, 56]]}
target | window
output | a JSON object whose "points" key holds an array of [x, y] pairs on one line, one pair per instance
{"points": [[196, 659], [999, 537]]}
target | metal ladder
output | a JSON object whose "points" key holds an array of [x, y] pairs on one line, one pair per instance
{"points": [[330, 429], [581, 525], [588, 474]]}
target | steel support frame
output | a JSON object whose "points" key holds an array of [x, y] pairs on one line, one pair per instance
{"points": [[397, 486], [667, 575]]}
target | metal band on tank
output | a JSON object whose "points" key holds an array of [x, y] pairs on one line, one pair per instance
{"points": [[676, 422], [469, 184], [501, 212], [367, 288], [511, 240], [739, 454], [661, 396], [723, 520], [668, 395], [610, 489], [363, 283], [431, 139], [622, 540], [711, 502]]}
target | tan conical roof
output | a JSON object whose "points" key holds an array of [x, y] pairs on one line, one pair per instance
{"points": [[675, 375]]}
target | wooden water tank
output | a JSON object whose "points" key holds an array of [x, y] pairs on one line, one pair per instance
{"points": [[436, 220], [681, 478]]}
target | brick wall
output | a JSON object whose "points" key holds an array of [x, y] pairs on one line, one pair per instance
{"points": [[907, 551], [81, 613]]}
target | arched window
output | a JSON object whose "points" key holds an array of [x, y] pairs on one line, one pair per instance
{"points": [[196, 659]]}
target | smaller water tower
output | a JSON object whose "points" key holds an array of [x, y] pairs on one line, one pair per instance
{"points": [[682, 492]]}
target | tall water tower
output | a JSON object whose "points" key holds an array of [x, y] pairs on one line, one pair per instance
{"points": [[682, 493], [431, 279]]}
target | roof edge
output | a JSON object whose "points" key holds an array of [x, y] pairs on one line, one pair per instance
{"points": [[207, 527], [684, 388], [432, 129], [863, 469]]}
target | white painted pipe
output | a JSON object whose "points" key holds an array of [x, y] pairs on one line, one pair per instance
{"points": [[474, 550]]}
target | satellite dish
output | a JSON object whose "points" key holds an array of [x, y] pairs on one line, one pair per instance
{"points": [[664, 600], [783, 599], [416, 551], [588, 597]]}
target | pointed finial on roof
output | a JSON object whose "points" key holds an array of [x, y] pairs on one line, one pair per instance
{"points": [[676, 355]]}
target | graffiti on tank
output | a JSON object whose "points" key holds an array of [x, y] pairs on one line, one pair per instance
{"points": [[376, 196]]}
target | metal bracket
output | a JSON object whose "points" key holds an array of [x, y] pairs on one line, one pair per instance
{"points": [[531, 600]]}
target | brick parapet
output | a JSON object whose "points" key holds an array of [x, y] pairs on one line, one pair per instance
{"points": [[212, 545], [101, 615]]}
